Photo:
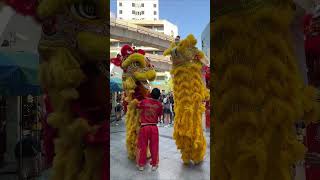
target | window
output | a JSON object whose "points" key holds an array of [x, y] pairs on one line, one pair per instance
{"points": [[161, 78], [114, 44], [123, 43], [155, 12], [159, 53], [154, 5], [142, 5], [133, 12], [160, 28], [120, 11], [142, 12], [120, 3], [133, 5]]}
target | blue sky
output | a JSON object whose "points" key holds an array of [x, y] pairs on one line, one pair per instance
{"points": [[191, 16]]}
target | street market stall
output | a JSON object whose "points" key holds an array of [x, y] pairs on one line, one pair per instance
{"points": [[19, 85]]}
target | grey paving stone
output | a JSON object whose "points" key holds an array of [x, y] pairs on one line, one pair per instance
{"points": [[170, 166]]}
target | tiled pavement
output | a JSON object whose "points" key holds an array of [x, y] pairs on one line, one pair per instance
{"points": [[170, 166]]}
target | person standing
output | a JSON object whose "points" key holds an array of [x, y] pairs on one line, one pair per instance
{"points": [[27, 151], [166, 111], [172, 108], [161, 98], [3, 141], [151, 110], [118, 108]]}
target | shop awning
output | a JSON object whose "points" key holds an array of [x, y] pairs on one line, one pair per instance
{"points": [[115, 84], [19, 73]]}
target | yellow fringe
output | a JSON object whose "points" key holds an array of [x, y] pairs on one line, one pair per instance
{"points": [[258, 96], [189, 94], [61, 75]]}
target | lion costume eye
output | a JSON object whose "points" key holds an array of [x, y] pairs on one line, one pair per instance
{"points": [[85, 9]]}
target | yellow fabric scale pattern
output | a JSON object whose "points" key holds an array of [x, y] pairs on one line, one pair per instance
{"points": [[61, 75], [258, 95], [140, 70], [189, 95]]}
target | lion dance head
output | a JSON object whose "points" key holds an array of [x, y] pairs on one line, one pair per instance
{"points": [[137, 73]]}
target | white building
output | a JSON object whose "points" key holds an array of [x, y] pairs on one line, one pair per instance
{"points": [[205, 40], [138, 9], [112, 15], [17, 32], [163, 26]]}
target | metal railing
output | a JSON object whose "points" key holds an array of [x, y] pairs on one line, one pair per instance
{"points": [[159, 58], [132, 27]]}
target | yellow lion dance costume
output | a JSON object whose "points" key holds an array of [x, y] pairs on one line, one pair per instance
{"points": [[258, 92], [189, 95], [74, 71], [137, 73]]}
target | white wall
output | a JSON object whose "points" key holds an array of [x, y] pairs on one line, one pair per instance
{"points": [[306, 4], [5, 15], [25, 33], [205, 40], [169, 28], [148, 9]]}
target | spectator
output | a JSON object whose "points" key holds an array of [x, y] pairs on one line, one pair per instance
{"points": [[172, 108], [161, 98], [26, 152], [3, 141], [166, 110]]}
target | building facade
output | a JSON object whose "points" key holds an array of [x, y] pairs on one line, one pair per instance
{"points": [[112, 15], [138, 9], [162, 26], [205, 40], [145, 14]]}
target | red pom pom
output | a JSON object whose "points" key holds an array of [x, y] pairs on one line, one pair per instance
{"points": [[207, 72], [126, 50], [24, 7], [140, 51], [116, 61]]}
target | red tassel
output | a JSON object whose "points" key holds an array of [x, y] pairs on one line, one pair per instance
{"points": [[116, 61], [126, 50], [140, 51], [24, 7]]}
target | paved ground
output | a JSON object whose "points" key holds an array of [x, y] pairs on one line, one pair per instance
{"points": [[170, 167]]}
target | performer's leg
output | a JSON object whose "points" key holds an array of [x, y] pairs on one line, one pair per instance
{"points": [[154, 145], [142, 147]]}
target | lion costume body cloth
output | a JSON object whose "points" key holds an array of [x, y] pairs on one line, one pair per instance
{"points": [[190, 93], [258, 91], [137, 73], [74, 70]]}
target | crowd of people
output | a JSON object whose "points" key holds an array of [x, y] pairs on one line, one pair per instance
{"points": [[168, 109]]}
